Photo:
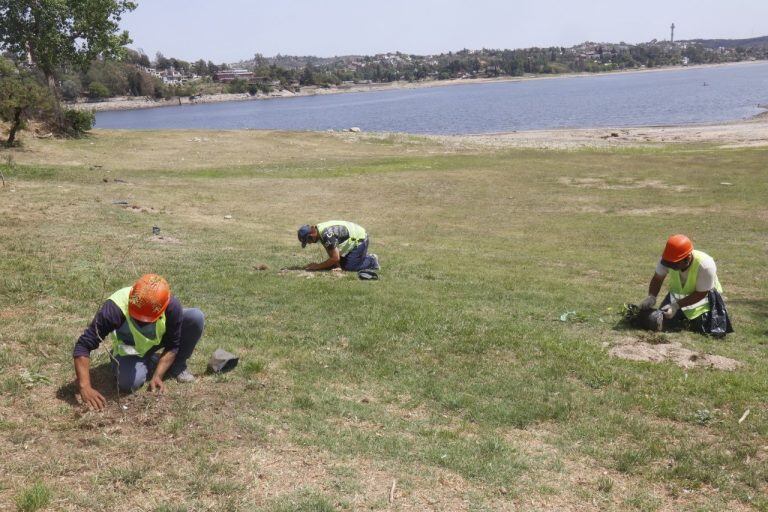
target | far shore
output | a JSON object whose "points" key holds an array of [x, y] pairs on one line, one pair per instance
{"points": [[134, 103]]}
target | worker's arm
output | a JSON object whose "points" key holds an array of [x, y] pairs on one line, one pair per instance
{"points": [[691, 299], [107, 319], [653, 291], [655, 286], [165, 362], [89, 395], [334, 257]]}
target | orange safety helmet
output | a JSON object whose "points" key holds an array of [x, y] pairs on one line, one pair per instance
{"points": [[148, 298], [677, 249]]}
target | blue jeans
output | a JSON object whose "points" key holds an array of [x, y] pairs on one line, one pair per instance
{"points": [[357, 258], [133, 371]]}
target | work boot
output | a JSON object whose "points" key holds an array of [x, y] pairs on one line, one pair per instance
{"points": [[185, 377], [375, 262]]}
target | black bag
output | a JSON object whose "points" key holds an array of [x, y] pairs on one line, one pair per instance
{"points": [[716, 321]]}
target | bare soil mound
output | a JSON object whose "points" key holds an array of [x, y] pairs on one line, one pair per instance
{"points": [[636, 350]]}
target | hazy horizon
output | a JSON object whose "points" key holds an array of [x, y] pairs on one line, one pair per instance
{"points": [[235, 30]]}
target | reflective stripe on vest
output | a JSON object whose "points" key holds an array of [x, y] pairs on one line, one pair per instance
{"points": [[356, 234], [677, 291], [129, 340]]}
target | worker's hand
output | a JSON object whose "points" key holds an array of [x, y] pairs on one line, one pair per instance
{"points": [[648, 302], [311, 266], [670, 310], [156, 384], [93, 398]]}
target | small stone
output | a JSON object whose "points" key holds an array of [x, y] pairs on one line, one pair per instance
{"points": [[227, 216]]}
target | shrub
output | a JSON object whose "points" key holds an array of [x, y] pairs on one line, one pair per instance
{"points": [[237, 86], [98, 91], [77, 122], [70, 90]]}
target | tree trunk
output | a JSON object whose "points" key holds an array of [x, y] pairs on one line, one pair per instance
{"points": [[58, 112], [14, 127]]}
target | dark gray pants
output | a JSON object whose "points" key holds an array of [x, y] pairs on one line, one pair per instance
{"points": [[133, 371]]}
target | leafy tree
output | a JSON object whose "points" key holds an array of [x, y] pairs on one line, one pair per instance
{"points": [[113, 75], [22, 97], [57, 33]]}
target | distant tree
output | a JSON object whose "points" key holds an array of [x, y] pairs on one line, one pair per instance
{"points": [[98, 91], [200, 68], [237, 86], [22, 98], [141, 83], [112, 74], [71, 88], [144, 60], [161, 62]]}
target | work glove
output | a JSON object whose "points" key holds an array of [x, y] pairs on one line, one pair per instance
{"points": [[648, 302], [670, 310]]}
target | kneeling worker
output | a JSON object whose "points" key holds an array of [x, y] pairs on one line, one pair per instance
{"points": [[345, 242], [143, 319], [694, 289]]}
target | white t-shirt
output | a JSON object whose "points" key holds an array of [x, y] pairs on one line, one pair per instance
{"points": [[705, 281]]}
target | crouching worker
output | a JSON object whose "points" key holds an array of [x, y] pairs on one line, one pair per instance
{"points": [[694, 301], [345, 242], [143, 319]]}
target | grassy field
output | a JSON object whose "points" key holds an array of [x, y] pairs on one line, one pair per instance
{"points": [[452, 377]]}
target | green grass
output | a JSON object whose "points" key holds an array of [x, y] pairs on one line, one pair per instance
{"points": [[453, 374], [36, 497]]}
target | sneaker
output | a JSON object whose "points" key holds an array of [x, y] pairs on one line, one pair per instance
{"points": [[185, 377], [375, 262]]}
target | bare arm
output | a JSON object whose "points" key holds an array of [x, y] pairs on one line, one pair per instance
{"points": [[89, 395], [655, 286], [165, 362], [334, 257], [691, 299]]}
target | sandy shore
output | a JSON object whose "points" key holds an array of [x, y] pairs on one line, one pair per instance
{"points": [[132, 102], [743, 133]]}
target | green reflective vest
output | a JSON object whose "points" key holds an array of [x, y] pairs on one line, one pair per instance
{"points": [[678, 290], [356, 234], [129, 338]]}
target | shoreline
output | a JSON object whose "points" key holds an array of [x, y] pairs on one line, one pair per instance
{"points": [[134, 103]]}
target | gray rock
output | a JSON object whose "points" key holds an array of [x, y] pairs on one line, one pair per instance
{"points": [[222, 361]]}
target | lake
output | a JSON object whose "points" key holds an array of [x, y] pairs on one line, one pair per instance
{"points": [[680, 96]]}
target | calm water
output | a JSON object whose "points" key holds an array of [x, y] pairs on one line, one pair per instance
{"points": [[638, 99]]}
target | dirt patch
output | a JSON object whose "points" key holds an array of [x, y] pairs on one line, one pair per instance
{"points": [[636, 350], [139, 209], [160, 239], [335, 273], [620, 184]]}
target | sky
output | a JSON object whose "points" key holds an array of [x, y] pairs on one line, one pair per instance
{"points": [[233, 30]]}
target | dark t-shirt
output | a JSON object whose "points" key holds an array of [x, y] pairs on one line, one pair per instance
{"points": [[332, 236], [109, 318]]}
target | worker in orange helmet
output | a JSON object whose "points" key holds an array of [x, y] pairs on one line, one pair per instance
{"points": [[694, 300], [143, 319]]}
